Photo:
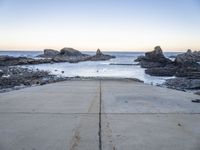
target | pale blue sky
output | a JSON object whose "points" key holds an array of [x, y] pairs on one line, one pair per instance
{"points": [[105, 24]]}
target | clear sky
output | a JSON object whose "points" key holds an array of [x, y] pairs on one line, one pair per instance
{"points": [[105, 24]]}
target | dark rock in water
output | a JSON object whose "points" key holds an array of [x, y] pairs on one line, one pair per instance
{"points": [[162, 71], [152, 59], [70, 52], [100, 56], [196, 100], [98, 52], [49, 53], [185, 65], [50, 56], [157, 56], [12, 61], [183, 83], [188, 57], [74, 56]]}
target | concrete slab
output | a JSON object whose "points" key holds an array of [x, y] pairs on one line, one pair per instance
{"points": [[151, 132], [65, 116], [143, 117], [63, 97], [48, 132], [56, 116], [133, 97]]}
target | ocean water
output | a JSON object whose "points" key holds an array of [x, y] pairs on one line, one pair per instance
{"points": [[97, 68]]}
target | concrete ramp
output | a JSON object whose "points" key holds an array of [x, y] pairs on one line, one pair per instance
{"points": [[99, 115]]}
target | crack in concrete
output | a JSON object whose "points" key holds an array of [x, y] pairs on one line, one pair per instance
{"points": [[99, 133]]}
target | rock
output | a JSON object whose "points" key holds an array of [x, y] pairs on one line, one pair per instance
{"points": [[183, 83], [98, 52], [161, 71], [50, 56], [154, 58], [49, 53], [148, 64], [100, 56], [70, 52], [189, 70], [188, 57], [12, 61], [157, 56], [195, 100]]}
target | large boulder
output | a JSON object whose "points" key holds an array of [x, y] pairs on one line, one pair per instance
{"points": [[154, 58], [50, 52], [157, 55], [100, 56], [188, 57], [70, 52], [98, 52]]}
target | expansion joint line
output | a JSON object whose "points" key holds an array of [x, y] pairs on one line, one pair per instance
{"points": [[100, 101]]}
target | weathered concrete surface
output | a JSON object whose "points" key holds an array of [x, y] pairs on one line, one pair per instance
{"points": [[61, 116], [143, 117], [65, 116]]}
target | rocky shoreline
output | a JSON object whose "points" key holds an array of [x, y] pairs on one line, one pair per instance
{"points": [[185, 68], [15, 77]]}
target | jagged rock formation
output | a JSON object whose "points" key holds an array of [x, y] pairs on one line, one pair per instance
{"points": [[154, 58], [188, 57], [100, 56], [185, 67]]}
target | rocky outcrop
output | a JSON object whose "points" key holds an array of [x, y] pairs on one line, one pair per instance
{"points": [[154, 58], [70, 52], [12, 61], [183, 83], [49, 53], [168, 70], [100, 56], [73, 56], [185, 65], [188, 57], [50, 56], [99, 53], [185, 68], [70, 55]]}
